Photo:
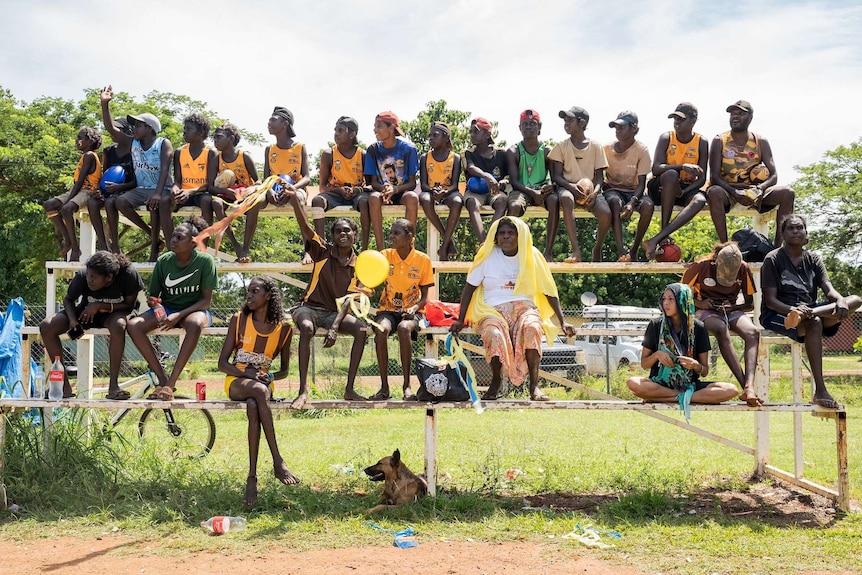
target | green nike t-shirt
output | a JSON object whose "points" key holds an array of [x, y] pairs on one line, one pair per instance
{"points": [[182, 286]]}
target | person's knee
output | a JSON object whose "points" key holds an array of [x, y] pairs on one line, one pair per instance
{"points": [[405, 329], [634, 385], [306, 328], [716, 196], [668, 178]]}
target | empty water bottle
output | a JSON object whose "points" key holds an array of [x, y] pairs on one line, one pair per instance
{"points": [[38, 382], [222, 524], [55, 380]]}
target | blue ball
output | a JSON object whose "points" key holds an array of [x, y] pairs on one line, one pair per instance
{"points": [[113, 175], [277, 187], [477, 185]]}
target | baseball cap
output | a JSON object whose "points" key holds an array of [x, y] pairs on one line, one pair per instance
{"points": [[625, 117], [727, 263], [286, 115], [530, 114], [443, 127], [390, 118], [575, 112], [684, 111], [741, 105], [483, 124], [145, 118], [122, 124], [351, 124]]}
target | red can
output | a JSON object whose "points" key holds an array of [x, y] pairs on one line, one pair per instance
{"points": [[201, 390]]}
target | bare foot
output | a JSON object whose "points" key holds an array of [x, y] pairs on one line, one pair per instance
{"points": [[538, 395], [283, 474], [409, 395], [307, 259], [299, 402], [492, 393], [825, 400], [353, 396], [443, 254], [75, 255], [749, 397], [649, 248], [575, 257], [625, 258], [250, 497], [549, 257], [381, 395]]}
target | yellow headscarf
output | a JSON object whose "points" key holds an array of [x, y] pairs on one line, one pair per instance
{"points": [[534, 279]]}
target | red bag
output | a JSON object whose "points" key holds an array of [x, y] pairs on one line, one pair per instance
{"points": [[441, 313]]}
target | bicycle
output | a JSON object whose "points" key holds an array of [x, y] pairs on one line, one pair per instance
{"points": [[191, 432]]}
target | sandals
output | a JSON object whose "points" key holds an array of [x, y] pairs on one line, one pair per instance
{"points": [[119, 395], [162, 393]]}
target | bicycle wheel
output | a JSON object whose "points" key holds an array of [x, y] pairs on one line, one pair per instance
{"points": [[178, 432]]}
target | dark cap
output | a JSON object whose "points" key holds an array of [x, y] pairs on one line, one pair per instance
{"points": [[443, 127], [287, 116], [122, 124], [575, 112], [684, 111], [625, 117], [390, 118], [742, 106], [351, 124]]}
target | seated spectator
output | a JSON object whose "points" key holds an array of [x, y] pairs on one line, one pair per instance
{"points": [[489, 164], [511, 320], [742, 170], [790, 278], [331, 279], [180, 294], [676, 353], [679, 173], [117, 154], [255, 337], [402, 303], [390, 169], [286, 157], [439, 173], [577, 168], [625, 182], [101, 295], [717, 281], [530, 176]]}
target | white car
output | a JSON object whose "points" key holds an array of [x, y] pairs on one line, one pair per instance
{"points": [[617, 351]]}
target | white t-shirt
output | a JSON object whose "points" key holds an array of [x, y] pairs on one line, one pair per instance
{"points": [[497, 276]]}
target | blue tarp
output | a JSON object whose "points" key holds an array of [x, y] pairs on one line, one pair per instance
{"points": [[10, 350]]}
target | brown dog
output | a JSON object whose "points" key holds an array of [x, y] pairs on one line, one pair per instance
{"points": [[400, 485]]}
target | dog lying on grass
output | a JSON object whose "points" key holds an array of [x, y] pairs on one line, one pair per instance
{"points": [[400, 485]]}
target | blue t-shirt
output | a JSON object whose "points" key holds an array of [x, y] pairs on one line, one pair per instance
{"points": [[380, 161], [148, 163]]}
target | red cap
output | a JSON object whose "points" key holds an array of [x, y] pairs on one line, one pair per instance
{"points": [[530, 114], [390, 118], [483, 124]]}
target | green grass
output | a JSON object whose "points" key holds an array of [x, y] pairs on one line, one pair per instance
{"points": [[646, 476]]}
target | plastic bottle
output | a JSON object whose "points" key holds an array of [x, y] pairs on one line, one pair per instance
{"points": [[38, 382], [222, 524], [55, 380], [158, 309]]}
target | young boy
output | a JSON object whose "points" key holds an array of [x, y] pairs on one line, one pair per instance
{"points": [[117, 154], [439, 172], [625, 182], [285, 157], [225, 139], [529, 175], [195, 166], [488, 163], [390, 169], [61, 209], [151, 156], [577, 166]]}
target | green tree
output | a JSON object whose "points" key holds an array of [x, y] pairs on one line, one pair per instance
{"points": [[829, 194], [437, 111]]}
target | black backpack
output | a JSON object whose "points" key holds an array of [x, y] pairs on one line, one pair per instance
{"points": [[753, 245]]}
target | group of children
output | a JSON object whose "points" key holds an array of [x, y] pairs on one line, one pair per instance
{"points": [[609, 181]]}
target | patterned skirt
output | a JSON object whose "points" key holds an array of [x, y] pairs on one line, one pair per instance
{"points": [[510, 339]]}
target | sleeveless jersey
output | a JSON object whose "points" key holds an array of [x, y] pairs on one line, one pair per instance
{"points": [[345, 171], [147, 163], [193, 170], [683, 153], [737, 163], [254, 348], [243, 178], [283, 161], [532, 170], [91, 182], [439, 173]]}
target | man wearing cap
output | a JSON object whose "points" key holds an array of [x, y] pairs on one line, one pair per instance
{"points": [[577, 168], [529, 174], [286, 157], [625, 182], [151, 157], [487, 164], [390, 169], [679, 173], [742, 171], [716, 282], [341, 177]]}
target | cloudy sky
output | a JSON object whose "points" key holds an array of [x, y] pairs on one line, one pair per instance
{"points": [[799, 63]]}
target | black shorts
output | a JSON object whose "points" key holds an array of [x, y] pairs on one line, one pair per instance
{"points": [[194, 201], [624, 196], [654, 191], [336, 200], [396, 317], [774, 321]]}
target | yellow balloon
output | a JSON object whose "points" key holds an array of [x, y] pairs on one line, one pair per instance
{"points": [[372, 268]]}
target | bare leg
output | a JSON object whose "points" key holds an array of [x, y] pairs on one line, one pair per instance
{"points": [[405, 344], [193, 324], [138, 327], [552, 202], [455, 203], [306, 328], [603, 215], [50, 329], [67, 213], [217, 207], [351, 326], [496, 380], [567, 204], [52, 208], [718, 201], [94, 208], [364, 220], [382, 347], [616, 205], [683, 217], [499, 205], [116, 324], [475, 218], [112, 217], [375, 212], [410, 201], [645, 213], [533, 358]]}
